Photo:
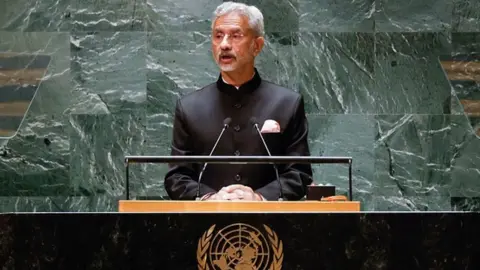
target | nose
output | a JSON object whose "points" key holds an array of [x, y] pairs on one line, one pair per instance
{"points": [[225, 44]]}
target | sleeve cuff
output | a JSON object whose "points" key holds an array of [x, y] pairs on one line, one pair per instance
{"points": [[261, 197]]}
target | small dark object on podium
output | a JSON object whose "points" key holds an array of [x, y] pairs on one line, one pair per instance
{"points": [[317, 193]]}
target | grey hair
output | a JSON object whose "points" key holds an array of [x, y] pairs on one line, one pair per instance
{"points": [[254, 15]]}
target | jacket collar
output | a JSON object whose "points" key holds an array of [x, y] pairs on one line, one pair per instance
{"points": [[247, 87]]}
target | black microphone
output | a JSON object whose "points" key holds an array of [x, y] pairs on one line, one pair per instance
{"points": [[226, 124], [253, 120]]}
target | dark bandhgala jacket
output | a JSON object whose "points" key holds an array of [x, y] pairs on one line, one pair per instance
{"points": [[199, 118]]}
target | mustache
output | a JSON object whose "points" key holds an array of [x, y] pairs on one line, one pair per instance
{"points": [[222, 54]]}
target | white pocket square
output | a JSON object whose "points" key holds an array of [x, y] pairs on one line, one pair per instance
{"points": [[270, 126]]}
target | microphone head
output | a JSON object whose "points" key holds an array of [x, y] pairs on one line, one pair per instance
{"points": [[227, 121], [253, 120]]}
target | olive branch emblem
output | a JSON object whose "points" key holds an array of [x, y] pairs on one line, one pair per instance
{"points": [[202, 248], [275, 243], [277, 247]]}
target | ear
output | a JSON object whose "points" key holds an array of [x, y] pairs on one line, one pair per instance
{"points": [[259, 43]]}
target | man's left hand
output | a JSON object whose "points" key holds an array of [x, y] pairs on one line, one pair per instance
{"points": [[242, 193]]}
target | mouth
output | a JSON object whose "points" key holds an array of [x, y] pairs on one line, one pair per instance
{"points": [[226, 58]]}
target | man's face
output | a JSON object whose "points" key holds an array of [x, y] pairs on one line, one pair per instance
{"points": [[234, 44]]}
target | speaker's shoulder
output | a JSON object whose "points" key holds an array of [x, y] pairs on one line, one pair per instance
{"points": [[279, 91]]}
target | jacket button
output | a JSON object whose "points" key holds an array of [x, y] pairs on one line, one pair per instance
{"points": [[237, 153], [237, 177], [236, 128], [238, 105]]}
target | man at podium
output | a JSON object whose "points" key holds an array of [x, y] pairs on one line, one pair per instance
{"points": [[233, 114]]}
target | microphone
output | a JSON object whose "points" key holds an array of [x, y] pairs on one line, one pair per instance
{"points": [[226, 124], [253, 120]]}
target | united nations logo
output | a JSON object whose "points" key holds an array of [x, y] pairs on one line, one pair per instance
{"points": [[240, 247]]}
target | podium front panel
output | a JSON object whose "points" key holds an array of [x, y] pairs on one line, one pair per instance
{"points": [[240, 241]]}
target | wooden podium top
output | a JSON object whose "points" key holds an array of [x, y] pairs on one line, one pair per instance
{"points": [[133, 206]]}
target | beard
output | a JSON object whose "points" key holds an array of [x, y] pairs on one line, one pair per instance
{"points": [[230, 66], [236, 61], [227, 67]]}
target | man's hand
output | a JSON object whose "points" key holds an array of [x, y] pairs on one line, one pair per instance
{"points": [[240, 193], [222, 196], [235, 193]]}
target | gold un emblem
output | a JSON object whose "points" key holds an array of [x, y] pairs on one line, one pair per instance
{"points": [[239, 246]]}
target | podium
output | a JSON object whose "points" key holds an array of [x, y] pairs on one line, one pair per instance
{"points": [[225, 235], [133, 206], [214, 235]]}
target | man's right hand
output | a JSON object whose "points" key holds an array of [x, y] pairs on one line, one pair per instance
{"points": [[224, 196]]}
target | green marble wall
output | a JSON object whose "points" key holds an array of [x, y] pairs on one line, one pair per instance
{"points": [[370, 72]]}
